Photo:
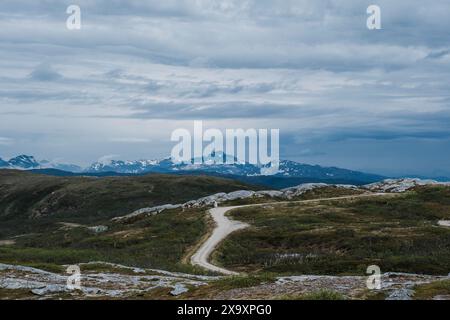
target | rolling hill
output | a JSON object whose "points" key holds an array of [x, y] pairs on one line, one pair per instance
{"points": [[29, 201]]}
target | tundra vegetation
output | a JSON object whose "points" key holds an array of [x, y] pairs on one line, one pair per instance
{"points": [[47, 218], [46, 222], [340, 237]]}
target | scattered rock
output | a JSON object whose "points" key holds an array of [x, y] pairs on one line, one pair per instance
{"points": [[441, 297], [401, 185], [50, 289], [178, 289], [95, 229], [444, 223], [70, 225], [218, 198], [98, 229], [396, 286], [401, 294], [46, 284], [386, 186], [7, 242]]}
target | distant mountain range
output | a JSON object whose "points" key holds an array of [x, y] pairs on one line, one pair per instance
{"points": [[24, 162], [290, 172]]}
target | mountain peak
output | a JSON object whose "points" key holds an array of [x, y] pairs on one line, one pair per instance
{"points": [[24, 162], [287, 169], [3, 163]]}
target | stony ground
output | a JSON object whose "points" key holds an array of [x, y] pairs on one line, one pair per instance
{"points": [[394, 286], [109, 281], [120, 282]]}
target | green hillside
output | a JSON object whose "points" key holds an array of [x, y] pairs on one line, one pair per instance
{"points": [[30, 202], [398, 233]]}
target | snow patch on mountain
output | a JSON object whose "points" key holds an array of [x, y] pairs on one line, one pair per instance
{"points": [[46, 164], [25, 162], [3, 163], [286, 168], [130, 167]]}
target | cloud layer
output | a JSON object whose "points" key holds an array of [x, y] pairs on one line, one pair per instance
{"points": [[341, 94]]}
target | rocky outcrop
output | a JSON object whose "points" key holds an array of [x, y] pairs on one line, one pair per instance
{"points": [[179, 289], [394, 286], [98, 229], [444, 223], [386, 186], [401, 185], [129, 282], [218, 198], [46, 284]]}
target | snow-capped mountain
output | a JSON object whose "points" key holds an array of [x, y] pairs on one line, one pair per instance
{"points": [[287, 169], [3, 163], [45, 164], [294, 169], [25, 162], [168, 166], [131, 167]]}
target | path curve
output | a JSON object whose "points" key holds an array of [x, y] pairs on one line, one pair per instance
{"points": [[226, 226]]}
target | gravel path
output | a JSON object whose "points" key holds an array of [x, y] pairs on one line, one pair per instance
{"points": [[226, 226]]}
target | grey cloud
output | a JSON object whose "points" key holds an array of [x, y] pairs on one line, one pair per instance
{"points": [[320, 34], [438, 54], [45, 72], [6, 141], [306, 67], [224, 110], [204, 90]]}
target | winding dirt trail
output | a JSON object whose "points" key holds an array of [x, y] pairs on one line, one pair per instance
{"points": [[226, 226]]}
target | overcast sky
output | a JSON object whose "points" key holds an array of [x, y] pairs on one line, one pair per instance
{"points": [[340, 94]]}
